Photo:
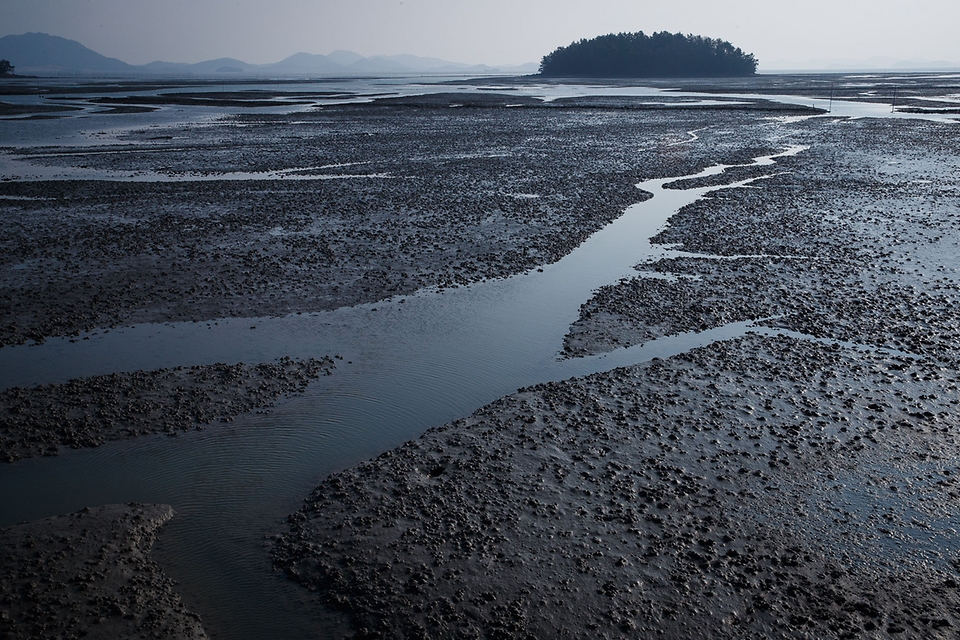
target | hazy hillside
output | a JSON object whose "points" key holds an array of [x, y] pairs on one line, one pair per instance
{"points": [[45, 55], [42, 54]]}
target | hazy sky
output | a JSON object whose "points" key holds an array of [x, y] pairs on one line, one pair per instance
{"points": [[488, 31]]}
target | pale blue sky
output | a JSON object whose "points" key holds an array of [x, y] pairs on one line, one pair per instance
{"points": [[494, 32]]}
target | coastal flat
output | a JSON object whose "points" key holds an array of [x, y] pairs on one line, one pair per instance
{"points": [[89, 574], [794, 480], [762, 487], [272, 214], [768, 486]]}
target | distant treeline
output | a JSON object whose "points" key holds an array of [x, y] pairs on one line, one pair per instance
{"points": [[661, 55]]}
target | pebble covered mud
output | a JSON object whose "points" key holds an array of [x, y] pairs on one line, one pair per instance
{"points": [[856, 239], [764, 487], [797, 481], [796, 484], [89, 575], [86, 412], [339, 206], [270, 214]]}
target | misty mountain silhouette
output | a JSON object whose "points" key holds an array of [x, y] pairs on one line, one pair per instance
{"points": [[45, 55], [201, 68], [41, 54], [344, 57]]}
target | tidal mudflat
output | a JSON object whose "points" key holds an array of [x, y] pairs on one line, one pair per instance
{"points": [[766, 486], [86, 412], [89, 574], [794, 481], [761, 487], [272, 214]]}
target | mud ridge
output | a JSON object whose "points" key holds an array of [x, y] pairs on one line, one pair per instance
{"points": [[86, 412]]}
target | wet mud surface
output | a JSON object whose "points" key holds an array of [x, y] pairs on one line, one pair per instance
{"points": [[268, 214], [762, 487], [89, 574], [87, 412], [339, 206], [855, 239], [774, 485]]}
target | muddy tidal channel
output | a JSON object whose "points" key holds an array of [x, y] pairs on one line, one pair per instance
{"points": [[483, 360]]}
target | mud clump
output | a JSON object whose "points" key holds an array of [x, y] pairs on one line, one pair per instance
{"points": [[86, 412], [89, 574]]}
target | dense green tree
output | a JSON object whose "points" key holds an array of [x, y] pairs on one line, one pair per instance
{"points": [[6, 69], [661, 55]]}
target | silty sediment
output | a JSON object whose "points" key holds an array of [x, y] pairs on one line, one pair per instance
{"points": [[86, 412], [89, 574]]}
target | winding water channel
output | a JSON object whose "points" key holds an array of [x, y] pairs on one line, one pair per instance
{"points": [[408, 364]]}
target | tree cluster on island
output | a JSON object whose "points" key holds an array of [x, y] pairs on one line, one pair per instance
{"points": [[6, 69], [637, 55]]}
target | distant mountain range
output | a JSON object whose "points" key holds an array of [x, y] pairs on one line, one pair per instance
{"points": [[40, 54]]}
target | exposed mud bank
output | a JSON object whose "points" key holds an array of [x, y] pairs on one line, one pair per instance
{"points": [[323, 209], [856, 239], [89, 575], [768, 486], [763, 487], [87, 412]]}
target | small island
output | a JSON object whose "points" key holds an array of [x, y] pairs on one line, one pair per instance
{"points": [[637, 55]]}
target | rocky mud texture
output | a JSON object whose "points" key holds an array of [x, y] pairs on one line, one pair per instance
{"points": [[768, 486], [761, 487], [857, 238], [261, 214], [86, 412], [89, 575]]}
